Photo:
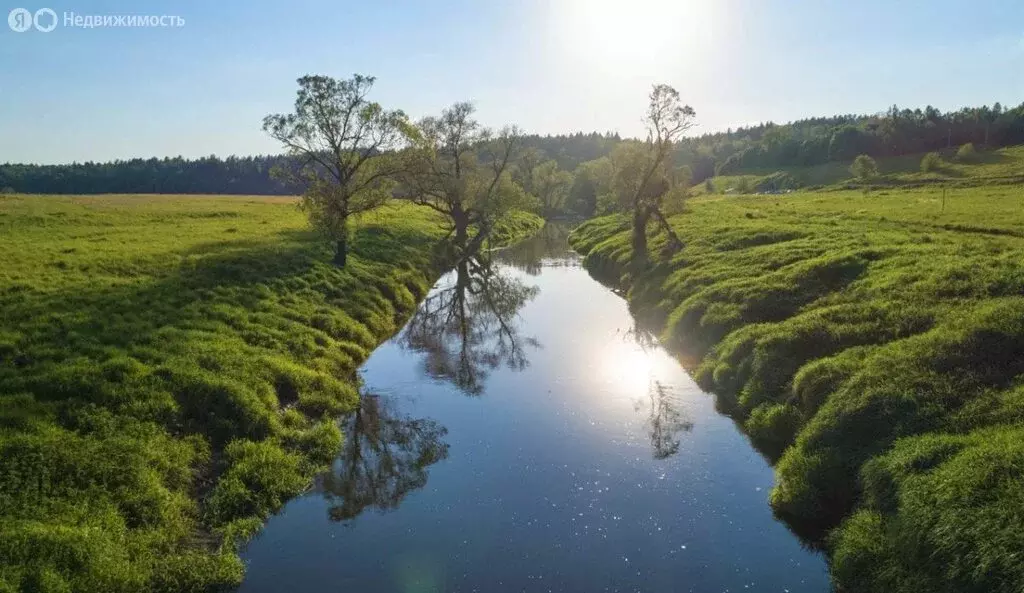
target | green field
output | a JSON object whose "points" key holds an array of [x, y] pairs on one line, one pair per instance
{"points": [[171, 371], [869, 343], [1002, 166]]}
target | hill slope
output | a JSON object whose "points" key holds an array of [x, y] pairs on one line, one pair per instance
{"points": [[1005, 165]]}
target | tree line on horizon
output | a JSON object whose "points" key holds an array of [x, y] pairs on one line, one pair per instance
{"points": [[816, 141], [233, 175], [808, 142]]}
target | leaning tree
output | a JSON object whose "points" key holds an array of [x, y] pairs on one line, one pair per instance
{"points": [[345, 152], [646, 184]]}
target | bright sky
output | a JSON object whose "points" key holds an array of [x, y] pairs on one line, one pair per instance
{"points": [[548, 66]]}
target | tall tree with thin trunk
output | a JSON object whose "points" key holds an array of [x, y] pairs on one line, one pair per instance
{"points": [[463, 171], [345, 152], [644, 176]]}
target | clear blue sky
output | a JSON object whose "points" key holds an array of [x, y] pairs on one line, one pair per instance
{"points": [[548, 66]]}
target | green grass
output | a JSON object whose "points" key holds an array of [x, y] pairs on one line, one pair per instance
{"points": [[872, 346], [171, 371], [1005, 165]]}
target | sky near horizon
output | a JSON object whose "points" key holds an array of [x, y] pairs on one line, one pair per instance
{"points": [[557, 66]]}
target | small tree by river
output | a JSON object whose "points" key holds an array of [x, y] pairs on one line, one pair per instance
{"points": [[344, 149]]}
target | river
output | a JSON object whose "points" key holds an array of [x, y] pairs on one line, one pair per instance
{"points": [[521, 434]]}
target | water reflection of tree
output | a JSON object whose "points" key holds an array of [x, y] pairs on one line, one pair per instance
{"points": [[467, 327], [551, 244], [665, 420], [386, 457]]}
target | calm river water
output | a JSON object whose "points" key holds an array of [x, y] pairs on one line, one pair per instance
{"points": [[520, 434]]}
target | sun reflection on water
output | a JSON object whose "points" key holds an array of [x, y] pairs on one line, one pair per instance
{"points": [[628, 367]]}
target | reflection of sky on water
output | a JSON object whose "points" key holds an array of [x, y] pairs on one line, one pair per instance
{"points": [[597, 465]]}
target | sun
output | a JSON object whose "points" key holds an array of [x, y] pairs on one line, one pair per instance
{"points": [[643, 37]]}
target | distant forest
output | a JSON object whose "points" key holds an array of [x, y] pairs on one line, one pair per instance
{"points": [[232, 175], [764, 146]]}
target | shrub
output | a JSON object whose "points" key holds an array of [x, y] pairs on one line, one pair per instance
{"points": [[709, 186], [743, 185], [864, 167], [931, 162], [967, 153]]}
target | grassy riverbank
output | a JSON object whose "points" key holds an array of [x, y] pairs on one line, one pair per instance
{"points": [[872, 345], [171, 371]]}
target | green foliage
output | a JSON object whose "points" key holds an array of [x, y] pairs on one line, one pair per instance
{"points": [[515, 227], [814, 143], [997, 167], [170, 372], [464, 171], [777, 182], [591, 179], [967, 153], [551, 185], [864, 168], [347, 150], [873, 348], [709, 186], [931, 162], [847, 142]]}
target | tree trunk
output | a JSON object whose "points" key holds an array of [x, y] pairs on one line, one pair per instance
{"points": [[341, 247], [673, 244], [461, 221], [640, 217], [341, 252], [461, 235]]}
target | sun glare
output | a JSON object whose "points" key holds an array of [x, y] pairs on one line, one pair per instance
{"points": [[643, 37], [629, 367]]}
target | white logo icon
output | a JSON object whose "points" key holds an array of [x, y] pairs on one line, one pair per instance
{"points": [[21, 20], [42, 24]]}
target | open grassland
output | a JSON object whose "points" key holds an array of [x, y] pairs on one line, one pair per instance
{"points": [[171, 371], [1002, 166], [872, 346]]}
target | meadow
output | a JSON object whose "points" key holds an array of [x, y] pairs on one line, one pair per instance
{"points": [[870, 344], [1002, 166], [172, 369]]}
